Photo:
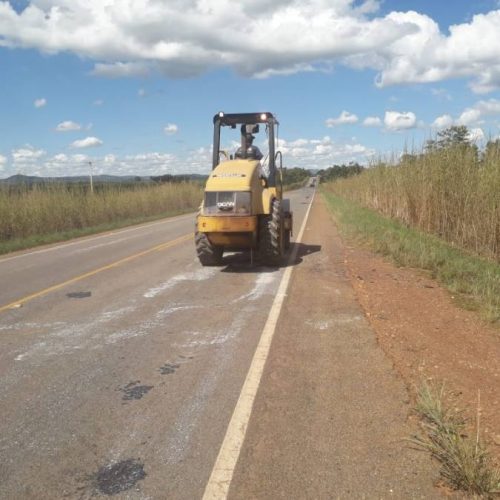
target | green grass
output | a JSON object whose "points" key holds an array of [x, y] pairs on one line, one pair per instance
{"points": [[473, 280], [465, 463]]}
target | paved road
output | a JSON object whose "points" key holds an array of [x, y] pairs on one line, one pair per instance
{"points": [[121, 361]]}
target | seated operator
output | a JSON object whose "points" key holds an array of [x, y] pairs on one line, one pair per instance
{"points": [[251, 152]]}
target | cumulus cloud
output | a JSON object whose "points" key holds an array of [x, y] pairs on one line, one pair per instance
{"points": [[3, 162], [88, 142], [443, 121], [395, 120], [171, 129], [321, 153], [184, 38], [68, 126], [344, 118], [471, 116], [476, 135], [314, 153], [372, 121], [39, 103], [24, 159], [27, 153]]}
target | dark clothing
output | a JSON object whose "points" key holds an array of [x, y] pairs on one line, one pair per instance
{"points": [[252, 153]]}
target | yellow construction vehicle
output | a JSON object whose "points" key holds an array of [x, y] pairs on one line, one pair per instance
{"points": [[243, 206]]}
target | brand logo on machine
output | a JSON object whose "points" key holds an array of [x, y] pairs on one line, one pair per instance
{"points": [[225, 205]]}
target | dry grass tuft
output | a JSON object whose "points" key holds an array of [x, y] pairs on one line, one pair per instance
{"points": [[465, 462], [50, 209], [453, 193]]}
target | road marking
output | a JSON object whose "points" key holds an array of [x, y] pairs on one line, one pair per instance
{"points": [[162, 246], [84, 239], [218, 484]]}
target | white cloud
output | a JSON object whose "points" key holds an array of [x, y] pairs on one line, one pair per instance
{"points": [[3, 162], [310, 152], [298, 143], [98, 102], [88, 142], [27, 153], [185, 37], [395, 120], [476, 135], [25, 159], [322, 153], [443, 121], [469, 116], [121, 69], [344, 118], [372, 121], [40, 103], [170, 129], [68, 126], [490, 107], [141, 92]]}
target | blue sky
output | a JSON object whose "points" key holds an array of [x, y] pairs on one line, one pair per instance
{"points": [[132, 85]]}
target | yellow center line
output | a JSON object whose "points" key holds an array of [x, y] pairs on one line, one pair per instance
{"points": [[156, 248]]}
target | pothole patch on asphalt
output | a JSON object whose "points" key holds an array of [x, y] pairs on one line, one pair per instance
{"points": [[134, 391], [78, 295], [168, 368], [121, 476]]}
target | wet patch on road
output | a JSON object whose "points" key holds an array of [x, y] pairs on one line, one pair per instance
{"points": [[121, 476], [168, 368], [134, 391], [78, 295]]}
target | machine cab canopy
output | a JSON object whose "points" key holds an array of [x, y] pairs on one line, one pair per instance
{"points": [[249, 124]]}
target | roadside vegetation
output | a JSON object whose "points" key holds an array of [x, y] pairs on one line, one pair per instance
{"points": [[294, 178], [438, 210], [474, 281], [36, 214], [465, 462], [336, 172], [450, 189]]}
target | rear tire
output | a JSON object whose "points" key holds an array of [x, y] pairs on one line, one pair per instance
{"points": [[208, 254], [286, 240], [270, 231]]}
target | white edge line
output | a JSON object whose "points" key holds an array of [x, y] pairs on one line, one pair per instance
{"points": [[219, 482], [83, 239]]}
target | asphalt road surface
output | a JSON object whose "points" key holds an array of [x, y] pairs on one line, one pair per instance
{"points": [[122, 359]]}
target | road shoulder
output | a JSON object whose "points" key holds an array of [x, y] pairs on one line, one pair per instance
{"points": [[331, 416]]}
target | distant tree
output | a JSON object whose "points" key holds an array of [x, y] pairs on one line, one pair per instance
{"points": [[340, 171], [457, 135], [295, 175]]}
